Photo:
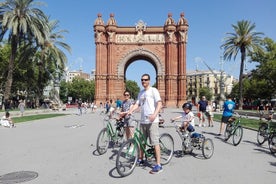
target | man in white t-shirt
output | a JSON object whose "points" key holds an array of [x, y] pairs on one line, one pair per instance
{"points": [[150, 103]]}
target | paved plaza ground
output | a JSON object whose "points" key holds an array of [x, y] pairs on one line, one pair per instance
{"points": [[62, 150]]}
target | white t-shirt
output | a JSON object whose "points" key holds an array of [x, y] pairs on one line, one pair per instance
{"points": [[147, 100], [209, 109], [188, 117], [4, 121]]}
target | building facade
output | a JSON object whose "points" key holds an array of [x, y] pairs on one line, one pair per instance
{"points": [[210, 79], [77, 73]]}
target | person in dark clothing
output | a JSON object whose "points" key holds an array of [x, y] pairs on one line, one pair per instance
{"points": [[202, 104]]}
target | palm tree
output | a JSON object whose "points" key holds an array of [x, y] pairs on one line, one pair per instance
{"points": [[51, 57], [53, 45], [23, 22], [243, 40]]}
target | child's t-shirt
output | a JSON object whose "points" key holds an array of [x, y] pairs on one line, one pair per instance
{"points": [[188, 117]]}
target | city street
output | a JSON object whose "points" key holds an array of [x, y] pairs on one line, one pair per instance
{"points": [[62, 150]]}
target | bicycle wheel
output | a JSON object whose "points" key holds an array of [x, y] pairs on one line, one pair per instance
{"points": [[272, 143], [237, 135], [103, 141], [207, 148], [228, 130], [127, 157], [261, 135], [166, 148]]}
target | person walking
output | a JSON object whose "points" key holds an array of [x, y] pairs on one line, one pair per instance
{"points": [[150, 104], [210, 114], [80, 106], [202, 104], [228, 108], [21, 107], [260, 108], [270, 111]]}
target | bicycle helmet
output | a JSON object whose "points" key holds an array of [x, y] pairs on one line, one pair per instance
{"points": [[187, 106]]}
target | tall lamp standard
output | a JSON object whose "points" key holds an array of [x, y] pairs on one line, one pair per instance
{"points": [[221, 79]]}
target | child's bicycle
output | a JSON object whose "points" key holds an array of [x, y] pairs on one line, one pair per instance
{"points": [[128, 153], [110, 135], [267, 132], [191, 141], [234, 129]]}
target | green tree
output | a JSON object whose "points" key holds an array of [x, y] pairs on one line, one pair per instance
{"points": [[82, 89], [24, 22], [266, 69], [205, 91], [133, 88], [5, 49], [63, 93], [243, 40]]}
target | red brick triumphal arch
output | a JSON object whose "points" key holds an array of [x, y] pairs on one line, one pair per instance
{"points": [[162, 46]]}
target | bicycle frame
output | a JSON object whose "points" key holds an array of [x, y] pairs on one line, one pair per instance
{"points": [[235, 125], [110, 130], [109, 134], [142, 143], [199, 142], [269, 129], [234, 129]]}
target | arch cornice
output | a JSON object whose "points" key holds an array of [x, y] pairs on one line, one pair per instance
{"points": [[141, 52]]}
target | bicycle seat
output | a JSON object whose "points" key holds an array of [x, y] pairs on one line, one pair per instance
{"points": [[269, 118], [232, 119]]}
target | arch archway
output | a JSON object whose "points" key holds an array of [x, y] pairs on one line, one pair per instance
{"points": [[164, 47]]}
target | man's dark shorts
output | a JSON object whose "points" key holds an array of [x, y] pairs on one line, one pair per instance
{"points": [[225, 119]]}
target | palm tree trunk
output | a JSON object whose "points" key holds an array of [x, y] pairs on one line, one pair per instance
{"points": [[9, 81], [243, 53]]}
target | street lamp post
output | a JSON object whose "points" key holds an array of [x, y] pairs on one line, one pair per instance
{"points": [[220, 79]]}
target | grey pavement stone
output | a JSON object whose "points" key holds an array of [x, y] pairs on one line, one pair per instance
{"points": [[62, 151]]}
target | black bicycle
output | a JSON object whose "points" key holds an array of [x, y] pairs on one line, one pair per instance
{"points": [[267, 132]]}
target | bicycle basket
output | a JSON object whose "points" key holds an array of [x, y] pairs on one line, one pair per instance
{"points": [[119, 124]]}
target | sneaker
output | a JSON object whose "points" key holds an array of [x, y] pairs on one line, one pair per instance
{"points": [[156, 169], [140, 162]]}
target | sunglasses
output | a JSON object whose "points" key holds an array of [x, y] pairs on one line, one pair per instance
{"points": [[144, 80], [126, 94]]}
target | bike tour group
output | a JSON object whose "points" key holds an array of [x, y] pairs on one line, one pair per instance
{"points": [[141, 144]]}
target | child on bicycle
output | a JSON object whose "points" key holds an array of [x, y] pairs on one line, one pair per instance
{"points": [[187, 118]]}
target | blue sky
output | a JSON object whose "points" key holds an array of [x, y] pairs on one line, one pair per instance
{"points": [[209, 21]]}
